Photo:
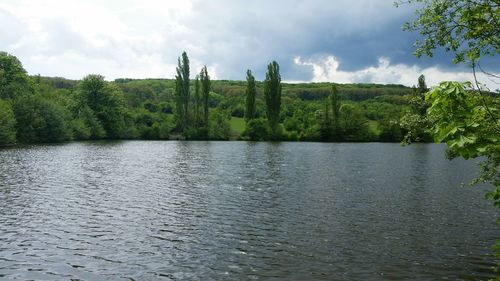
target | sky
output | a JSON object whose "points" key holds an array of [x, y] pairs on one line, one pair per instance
{"points": [[340, 41]]}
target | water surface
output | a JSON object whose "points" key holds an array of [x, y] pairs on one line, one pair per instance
{"points": [[143, 210]]}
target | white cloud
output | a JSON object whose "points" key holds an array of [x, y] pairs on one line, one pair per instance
{"points": [[113, 38], [143, 38], [327, 69]]}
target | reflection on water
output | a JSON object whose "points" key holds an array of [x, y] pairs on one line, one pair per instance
{"points": [[237, 211]]}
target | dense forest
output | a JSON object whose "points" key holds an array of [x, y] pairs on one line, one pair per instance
{"points": [[51, 109]]}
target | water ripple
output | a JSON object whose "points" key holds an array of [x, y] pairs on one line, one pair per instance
{"points": [[237, 211]]}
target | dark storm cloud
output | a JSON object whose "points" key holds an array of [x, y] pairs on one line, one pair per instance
{"points": [[262, 31]]}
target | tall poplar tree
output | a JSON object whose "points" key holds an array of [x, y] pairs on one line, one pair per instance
{"points": [[415, 120], [197, 101], [420, 96], [182, 91], [205, 89], [250, 97], [272, 94]]}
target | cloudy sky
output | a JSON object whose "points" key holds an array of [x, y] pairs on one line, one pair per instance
{"points": [[315, 40]]}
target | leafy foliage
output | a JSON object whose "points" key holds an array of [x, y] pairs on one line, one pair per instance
{"points": [[219, 128], [327, 126], [460, 120], [87, 126], [7, 124], [14, 82], [106, 103], [336, 104], [257, 129], [415, 121], [38, 120]]}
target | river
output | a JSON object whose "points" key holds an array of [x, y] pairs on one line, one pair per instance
{"points": [[168, 210]]}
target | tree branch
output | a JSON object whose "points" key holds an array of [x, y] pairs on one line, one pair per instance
{"points": [[483, 99]]}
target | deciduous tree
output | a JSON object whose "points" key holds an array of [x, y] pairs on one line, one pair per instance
{"points": [[106, 103], [7, 124], [14, 81]]}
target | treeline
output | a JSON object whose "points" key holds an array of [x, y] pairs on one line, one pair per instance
{"points": [[42, 109]]}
